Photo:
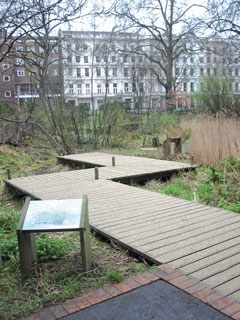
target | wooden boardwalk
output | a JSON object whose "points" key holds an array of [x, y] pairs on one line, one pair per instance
{"points": [[201, 241]]}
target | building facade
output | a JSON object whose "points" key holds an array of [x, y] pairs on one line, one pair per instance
{"points": [[94, 68]]}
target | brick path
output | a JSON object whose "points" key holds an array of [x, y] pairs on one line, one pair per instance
{"points": [[208, 296]]}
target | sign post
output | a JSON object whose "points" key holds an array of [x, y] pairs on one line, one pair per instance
{"points": [[52, 216]]}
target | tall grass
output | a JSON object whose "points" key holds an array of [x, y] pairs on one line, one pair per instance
{"points": [[213, 139]]}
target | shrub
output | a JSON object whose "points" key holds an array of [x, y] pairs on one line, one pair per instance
{"points": [[50, 249]]}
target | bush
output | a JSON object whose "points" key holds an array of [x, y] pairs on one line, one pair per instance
{"points": [[50, 249]]}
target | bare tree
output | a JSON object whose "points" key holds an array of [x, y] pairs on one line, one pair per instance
{"points": [[224, 16], [164, 27]]}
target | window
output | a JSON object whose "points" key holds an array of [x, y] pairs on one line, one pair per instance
{"points": [[132, 59], [85, 59], [55, 72], [70, 72], [223, 72], [78, 59], [86, 72], [106, 72], [19, 61], [6, 66], [236, 72], [78, 72], [208, 59], [79, 88], [6, 78], [125, 59], [125, 72], [141, 73], [230, 86], [141, 87], [115, 88], [8, 94], [184, 71], [201, 60], [215, 71], [114, 59], [69, 59], [140, 59], [77, 47], [99, 88], [223, 60], [19, 48], [191, 71], [85, 47], [230, 72], [215, 59], [126, 87], [185, 86], [71, 88], [105, 59], [98, 59], [97, 47], [69, 47], [31, 49], [114, 72], [236, 87], [98, 72], [134, 87], [184, 59], [20, 73], [87, 88], [107, 87], [192, 60], [201, 71], [208, 71], [192, 86], [177, 71]]}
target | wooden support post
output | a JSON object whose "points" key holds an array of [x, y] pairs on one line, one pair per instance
{"points": [[178, 145], [167, 148], [113, 161], [192, 160], [96, 173], [85, 237], [26, 244], [9, 173]]}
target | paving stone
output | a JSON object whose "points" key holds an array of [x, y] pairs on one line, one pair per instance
{"points": [[46, 314], [102, 294], [33, 317], [70, 307], [232, 309], [222, 303], [122, 287], [82, 303], [139, 278], [58, 311], [203, 293], [131, 283], [178, 280], [92, 298], [113, 291]]}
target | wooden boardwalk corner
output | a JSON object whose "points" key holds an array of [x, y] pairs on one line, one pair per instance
{"points": [[201, 241]]}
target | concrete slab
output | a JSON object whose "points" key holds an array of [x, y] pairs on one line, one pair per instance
{"points": [[158, 300]]}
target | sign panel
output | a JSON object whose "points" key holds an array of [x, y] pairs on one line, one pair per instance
{"points": [[53, 215]]}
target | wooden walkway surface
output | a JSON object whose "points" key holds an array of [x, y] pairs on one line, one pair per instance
{"points": [[202, 241]]}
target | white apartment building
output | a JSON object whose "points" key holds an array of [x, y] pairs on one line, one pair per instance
{"points": [[100, 67]]}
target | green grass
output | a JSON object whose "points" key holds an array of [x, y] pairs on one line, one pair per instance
{"points": [[216, 186]]}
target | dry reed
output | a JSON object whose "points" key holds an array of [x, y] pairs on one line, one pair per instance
{"points": [[213, 139]]}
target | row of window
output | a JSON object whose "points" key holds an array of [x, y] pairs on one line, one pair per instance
{"points": [[209, 59], [208, 71], [106, 72], [127, 88], [106, 59], [232, 86]]}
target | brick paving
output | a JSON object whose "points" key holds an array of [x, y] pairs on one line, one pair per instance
{"points": [[208, 296]]}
